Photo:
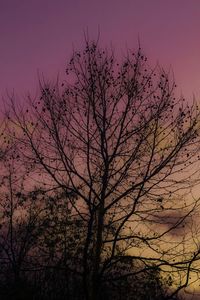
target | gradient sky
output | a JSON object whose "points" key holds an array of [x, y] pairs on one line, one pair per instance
{"points": [[38, 36]]}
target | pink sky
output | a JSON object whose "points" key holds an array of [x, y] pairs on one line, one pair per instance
{"points": [[37, 35]]}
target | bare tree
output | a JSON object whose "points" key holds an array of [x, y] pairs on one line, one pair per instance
{"points": [[115, 138]]}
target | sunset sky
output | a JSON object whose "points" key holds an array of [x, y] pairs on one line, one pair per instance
{"points": [[37, 39], [37, 36]]}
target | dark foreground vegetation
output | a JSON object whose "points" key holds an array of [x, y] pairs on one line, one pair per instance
{"points": [[95, 182]]}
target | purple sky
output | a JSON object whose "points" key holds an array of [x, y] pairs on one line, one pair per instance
{"points": [[37, 35]]}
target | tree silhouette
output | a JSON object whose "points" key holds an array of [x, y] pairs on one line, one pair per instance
{"points": [[115, 142]]}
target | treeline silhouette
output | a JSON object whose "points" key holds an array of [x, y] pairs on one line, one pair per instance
{"points": [[42, 242]]}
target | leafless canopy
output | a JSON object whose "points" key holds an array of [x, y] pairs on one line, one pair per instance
{"points": [[117, 142]]}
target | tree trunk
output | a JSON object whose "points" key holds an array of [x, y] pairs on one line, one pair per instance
{"points": [[95, 287]]}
